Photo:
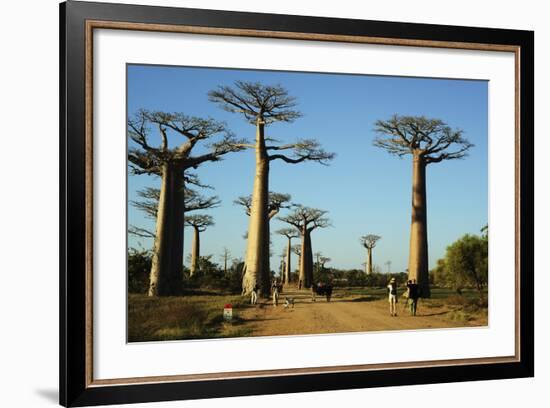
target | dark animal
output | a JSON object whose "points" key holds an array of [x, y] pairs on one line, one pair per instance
{"points": [[289, 302], [324, 290]]}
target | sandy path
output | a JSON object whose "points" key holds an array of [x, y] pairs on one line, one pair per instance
{"points": [[342, 314]]}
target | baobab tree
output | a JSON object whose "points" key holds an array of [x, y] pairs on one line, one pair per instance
{"points": [[226, 254], [427, 141], [290, 234], [369, 242], [193, 201], [262, 105], [318, 256], [282, 266], [276, 201], [148, 204], [323, 260], [297, 249], [199, 223], [305, 220], [170, 163]]}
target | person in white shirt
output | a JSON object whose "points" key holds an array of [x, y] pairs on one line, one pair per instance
{"points": [[392, 296], [254, 295]]}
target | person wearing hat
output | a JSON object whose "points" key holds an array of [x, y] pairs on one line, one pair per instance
{"points": [[392, 296]]}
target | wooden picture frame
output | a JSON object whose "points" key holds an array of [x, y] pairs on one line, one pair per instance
{"points": [[78, 20]]}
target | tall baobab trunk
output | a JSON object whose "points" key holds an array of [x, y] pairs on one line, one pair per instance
{"points": [[306, 260], [418, 249], [166, 267], [195, 252], [368, 264], [257, 253], [288, 261]]}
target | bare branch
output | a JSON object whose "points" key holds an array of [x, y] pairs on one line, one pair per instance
{"points": [[245, 202], [303, 150], [143, 163], [192, 178], [276, 202], [146, 159], [218, 149], [192, 201], [139, 131], [140, 232]]}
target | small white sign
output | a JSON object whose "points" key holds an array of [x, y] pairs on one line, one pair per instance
{"points": [[228, 313]]}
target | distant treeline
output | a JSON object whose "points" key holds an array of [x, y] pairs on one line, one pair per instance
{"points": [[212, 276], [465, 266]]}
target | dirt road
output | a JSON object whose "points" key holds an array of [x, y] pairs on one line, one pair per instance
{"points": [[342, 314]]}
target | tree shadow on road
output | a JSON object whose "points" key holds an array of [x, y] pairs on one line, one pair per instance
{"points": [[361, 299], [433, 314]]}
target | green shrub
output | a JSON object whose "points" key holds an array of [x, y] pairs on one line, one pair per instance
{"points": [[139, 266]]}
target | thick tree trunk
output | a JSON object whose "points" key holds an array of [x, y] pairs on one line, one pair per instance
{"points": [[257, 253], [418, 248], [195, 252], [165, 278], [369, 261], [288, 263], [306, 260]]}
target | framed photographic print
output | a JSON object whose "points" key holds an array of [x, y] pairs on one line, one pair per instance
{"points": [[255, 203]]}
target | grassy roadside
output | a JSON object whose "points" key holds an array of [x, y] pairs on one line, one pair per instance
{"points": [[199, 315], [183, 317]]}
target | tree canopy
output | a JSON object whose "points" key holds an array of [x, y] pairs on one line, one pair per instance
{"points": [[369, 241], [270, 103], [432, 139], [467, 260], [199, 221], [288, 232], [306, 217], [276, 201], [149, 159], [263, 105]]}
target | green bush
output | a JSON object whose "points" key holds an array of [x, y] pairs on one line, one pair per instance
{"points": [[139, 266]]}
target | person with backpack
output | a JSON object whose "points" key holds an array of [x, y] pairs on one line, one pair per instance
{"points": [[413, 295]]}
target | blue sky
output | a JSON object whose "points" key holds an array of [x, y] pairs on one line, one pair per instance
{"points": [[365, 189]]}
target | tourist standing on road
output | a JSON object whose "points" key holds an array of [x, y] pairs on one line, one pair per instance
{"points": [[314, 290], [392, 296], [275, 292], [406, 295], [254, 295], [413, 295]]}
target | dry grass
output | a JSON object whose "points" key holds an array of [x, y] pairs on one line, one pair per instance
{"points": [[179, 318], [200, 315]]}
